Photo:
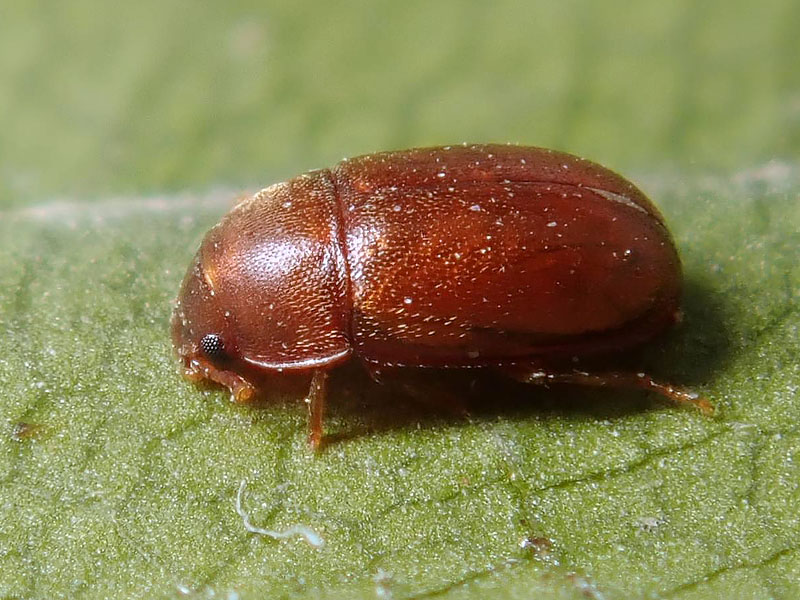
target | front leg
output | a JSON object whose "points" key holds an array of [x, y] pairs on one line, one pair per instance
{"points": [[642, 381], [242, 391]]}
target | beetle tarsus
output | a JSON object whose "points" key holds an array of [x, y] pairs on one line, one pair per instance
{"points": [[243, 392], [316, 407]]}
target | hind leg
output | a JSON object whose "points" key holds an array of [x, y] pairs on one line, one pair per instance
{"points": [[676, 394]]}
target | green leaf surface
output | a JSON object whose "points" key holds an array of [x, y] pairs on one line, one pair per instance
{"points": [[129, 130]]}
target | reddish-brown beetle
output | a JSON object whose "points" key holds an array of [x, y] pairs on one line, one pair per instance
{"points": [[516, 258]]}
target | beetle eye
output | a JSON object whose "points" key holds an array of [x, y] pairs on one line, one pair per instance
{"points": [[212, 346]]}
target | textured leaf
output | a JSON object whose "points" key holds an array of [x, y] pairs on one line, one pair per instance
{"points": [[119, 479]]}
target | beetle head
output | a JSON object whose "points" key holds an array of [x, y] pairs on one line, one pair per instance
{"points": [[201, 329]]}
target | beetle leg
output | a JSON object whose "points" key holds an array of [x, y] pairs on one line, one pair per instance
{"points": [[316, 407], [242, 391], [641, 381]]}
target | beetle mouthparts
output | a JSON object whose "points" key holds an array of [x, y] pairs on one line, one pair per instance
{"points": [[192, 370]]}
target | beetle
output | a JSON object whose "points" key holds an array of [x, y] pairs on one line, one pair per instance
{"points": [[516, 258]]}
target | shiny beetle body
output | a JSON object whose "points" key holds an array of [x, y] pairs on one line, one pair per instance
{"points": [[509, 257]]}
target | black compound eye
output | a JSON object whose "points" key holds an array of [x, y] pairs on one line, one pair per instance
{"points": [[212, 346]]}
